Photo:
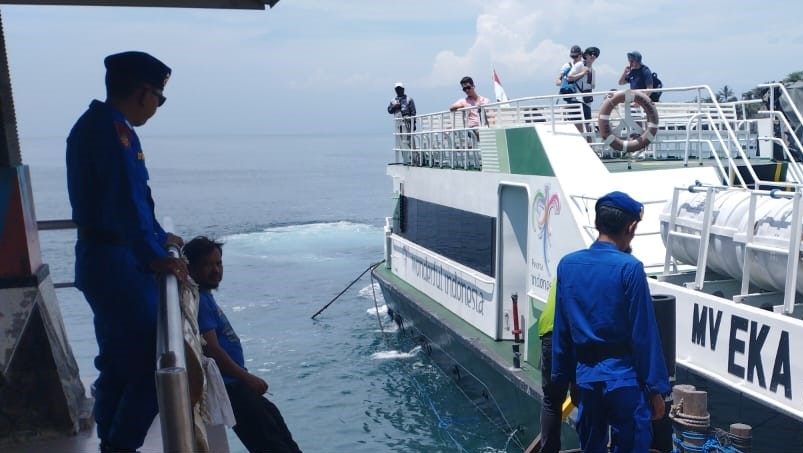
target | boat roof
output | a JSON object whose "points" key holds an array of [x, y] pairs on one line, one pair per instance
{"points": [[222, 4]]}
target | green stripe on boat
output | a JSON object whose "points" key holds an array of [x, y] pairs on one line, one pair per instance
{"points": [[525, 153]]}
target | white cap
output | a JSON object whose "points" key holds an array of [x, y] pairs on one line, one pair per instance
{"points": [[398, 85]]}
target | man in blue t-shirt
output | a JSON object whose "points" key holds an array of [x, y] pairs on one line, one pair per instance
{"points": [[637, 74], [259, 426]]}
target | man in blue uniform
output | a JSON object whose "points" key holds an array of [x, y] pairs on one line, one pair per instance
{"points": [[120, 246], [605, 335], [259, 424]]}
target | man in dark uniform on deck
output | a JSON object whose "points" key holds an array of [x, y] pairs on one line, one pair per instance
{"points": [[121, 246], [605, 335]]}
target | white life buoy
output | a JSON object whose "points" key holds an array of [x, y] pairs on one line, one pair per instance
{"points": [[628, 97]]}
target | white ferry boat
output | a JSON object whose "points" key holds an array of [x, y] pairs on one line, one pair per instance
{"points": [[482, 216]]}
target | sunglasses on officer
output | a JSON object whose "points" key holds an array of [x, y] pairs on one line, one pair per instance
{"points": [[159, 96], [467, 87]]}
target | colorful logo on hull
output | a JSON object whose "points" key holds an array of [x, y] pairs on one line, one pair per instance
{"points": [[544, 206]]}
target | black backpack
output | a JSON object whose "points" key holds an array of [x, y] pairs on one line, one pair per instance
{"points": [[656, 83]]}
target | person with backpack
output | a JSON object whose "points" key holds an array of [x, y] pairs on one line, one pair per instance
{"points": [[638, 75], [569, 73], [586, 82], [569, 78]]}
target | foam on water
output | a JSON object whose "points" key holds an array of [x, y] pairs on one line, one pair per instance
{"points": [[372, 290], [393, 354], [382, 309], [303, 243]]}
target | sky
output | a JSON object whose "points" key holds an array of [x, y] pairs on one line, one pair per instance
{"points": [[328, 67]]}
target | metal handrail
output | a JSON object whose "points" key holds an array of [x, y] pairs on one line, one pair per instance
{"points": [[172, 383], [55, 225]]}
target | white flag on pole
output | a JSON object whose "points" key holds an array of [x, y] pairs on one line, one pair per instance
{"points": [[498, 90]]}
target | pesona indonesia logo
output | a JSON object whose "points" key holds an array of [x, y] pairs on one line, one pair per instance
{"points": [[544, 206]]}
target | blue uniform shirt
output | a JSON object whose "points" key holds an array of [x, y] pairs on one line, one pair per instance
{"points": [[603, 298], [211, 317], [108, 182]]}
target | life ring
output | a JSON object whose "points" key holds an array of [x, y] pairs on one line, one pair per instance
{"points": [[628, 97]]}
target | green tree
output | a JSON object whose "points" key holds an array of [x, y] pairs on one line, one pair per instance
{"points": [[794, 77], [726, 95]]}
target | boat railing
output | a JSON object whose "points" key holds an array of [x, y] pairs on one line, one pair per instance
{"points": [[702, 129], [172, 382], [451, 139], [57, 225], [171, 374], [791, 249]]}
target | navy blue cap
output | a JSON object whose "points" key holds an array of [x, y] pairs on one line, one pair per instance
{"points": [[140, 66], [622, 202], [634, 55]]}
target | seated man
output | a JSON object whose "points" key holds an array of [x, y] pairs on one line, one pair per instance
{"points": [[259, 425]]}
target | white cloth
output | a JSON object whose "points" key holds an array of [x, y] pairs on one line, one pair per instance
{"points": [[218, 405], [189, 311]]}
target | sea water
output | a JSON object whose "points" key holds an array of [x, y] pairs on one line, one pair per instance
{"points": [[301, 217]]}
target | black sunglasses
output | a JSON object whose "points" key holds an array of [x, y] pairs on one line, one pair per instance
{"points": [[467, 87], [160, 96]]}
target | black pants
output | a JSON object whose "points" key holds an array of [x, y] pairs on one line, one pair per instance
{"points": [[259, 426], [554, 395]]}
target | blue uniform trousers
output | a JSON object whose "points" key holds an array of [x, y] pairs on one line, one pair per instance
{"points": [[124, 302], [623, 408]]}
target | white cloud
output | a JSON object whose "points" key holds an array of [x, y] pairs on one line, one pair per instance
{"points": [[238, 71]]}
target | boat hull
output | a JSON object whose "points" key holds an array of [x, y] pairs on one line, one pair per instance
{"points": [[509, 397]]}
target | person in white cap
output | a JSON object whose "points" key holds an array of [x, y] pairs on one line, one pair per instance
{"points": [[403, 107]]}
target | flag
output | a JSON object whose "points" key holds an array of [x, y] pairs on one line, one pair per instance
{"points": [[498, 90]]}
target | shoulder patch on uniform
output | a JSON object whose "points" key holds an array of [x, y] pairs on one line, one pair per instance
{"points": [[123, 134], [140, 156]]}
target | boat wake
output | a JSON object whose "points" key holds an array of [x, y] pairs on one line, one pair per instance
{"points": [[393, 354], [304, 243], [382, 309], [369, 291]]}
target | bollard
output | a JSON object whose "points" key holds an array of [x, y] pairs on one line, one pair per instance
{"points": [[741, 435], [516, 356]]}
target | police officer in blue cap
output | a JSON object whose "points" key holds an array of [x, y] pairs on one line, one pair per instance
{"points": [[121, 247], [605, 335]]}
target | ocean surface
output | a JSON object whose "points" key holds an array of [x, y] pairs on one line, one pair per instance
{"points": [[301, 218]]}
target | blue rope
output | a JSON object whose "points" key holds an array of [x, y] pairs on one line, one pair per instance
{"points": [[443, 422], [710, 445]]}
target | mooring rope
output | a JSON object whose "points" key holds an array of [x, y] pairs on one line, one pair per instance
{"points": [[346, 288], [443, 423], [376, 308], [509, 429]]}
